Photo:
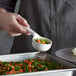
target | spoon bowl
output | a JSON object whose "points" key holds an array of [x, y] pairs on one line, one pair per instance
{"points": [[38, 46], [41, 47]]}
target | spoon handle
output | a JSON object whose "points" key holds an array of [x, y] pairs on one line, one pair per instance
{"points": [[32, 32]]}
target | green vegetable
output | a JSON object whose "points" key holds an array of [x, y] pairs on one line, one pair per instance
{"points": [[29, 65], [42, 41]]}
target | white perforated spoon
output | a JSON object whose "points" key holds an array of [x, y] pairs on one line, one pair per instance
{"points": [[36, 45]]}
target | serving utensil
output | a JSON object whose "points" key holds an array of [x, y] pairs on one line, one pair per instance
{"points": [[36, 45]]}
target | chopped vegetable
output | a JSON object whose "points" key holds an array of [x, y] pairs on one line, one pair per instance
{"points": [[42, 41], [29, 65]]}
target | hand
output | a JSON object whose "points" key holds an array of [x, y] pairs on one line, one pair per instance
{"points": [[13, 24]]}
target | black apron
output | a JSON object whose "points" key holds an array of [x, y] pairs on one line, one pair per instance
{"points": [[54, 19]]}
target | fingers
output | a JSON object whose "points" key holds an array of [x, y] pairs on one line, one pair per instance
{"points": [[16, 33], [17, 28], [16, 25], [13, 24], [22, 21], [13, 34]]}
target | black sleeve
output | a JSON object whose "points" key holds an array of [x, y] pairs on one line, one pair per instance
{"points": [[9, 5]]}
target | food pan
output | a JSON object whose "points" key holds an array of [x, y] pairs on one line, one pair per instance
{"points": [[43, 56]]}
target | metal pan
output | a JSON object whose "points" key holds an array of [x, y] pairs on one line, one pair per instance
{"points": [[43, 56]]}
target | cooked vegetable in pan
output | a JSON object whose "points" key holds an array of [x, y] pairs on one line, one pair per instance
{"points": [[29, 65]]}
